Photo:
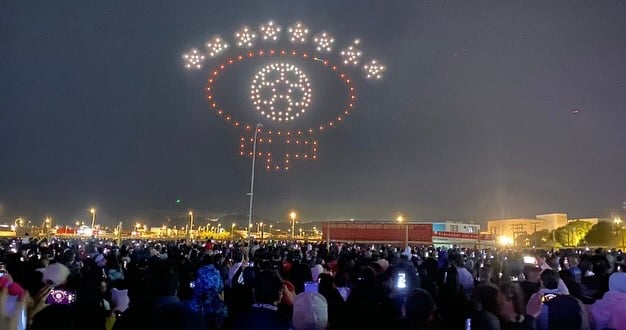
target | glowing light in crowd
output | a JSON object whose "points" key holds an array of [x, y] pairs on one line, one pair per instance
{"points": [[374, 70], [193, 59], [245, 37], [216, 46], [352, 54], [298, 33], [281, 92], [323, 42], [269, 31], [505, 240]]}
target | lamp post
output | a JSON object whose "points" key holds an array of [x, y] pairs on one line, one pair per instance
{"points": [[269, 235], [93, 218], [292, 215], [261, 227], [48, 224], [251, 194], [190, 225], [232, 231], [618, 226]]}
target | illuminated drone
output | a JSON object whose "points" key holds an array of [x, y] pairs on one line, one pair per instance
{"points": [[281, 90]]}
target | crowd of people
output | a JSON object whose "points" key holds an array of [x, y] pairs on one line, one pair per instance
{"points": [[205, 284]]}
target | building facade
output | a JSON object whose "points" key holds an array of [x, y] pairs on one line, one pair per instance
{"points": [[515, 227]]}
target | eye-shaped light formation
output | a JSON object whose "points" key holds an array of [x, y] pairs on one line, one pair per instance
{"points": [[352, 54], [216, 46], [269, 31], [298, 33], [193, 59], [245, 37], [374, 70], [280, 92], [323, 42]]}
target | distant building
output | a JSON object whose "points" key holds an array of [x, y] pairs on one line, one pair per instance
{"points": [[518, 226], [555, 220], [593, 221]]}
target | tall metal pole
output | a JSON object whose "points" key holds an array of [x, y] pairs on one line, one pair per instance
{"points": [[93, 218], [406, 236], [328, 236], [119, 234], [251, 194], [189, 235]]}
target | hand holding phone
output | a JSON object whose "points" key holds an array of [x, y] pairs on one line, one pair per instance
{"points": [[401, 281], [60, 297]]}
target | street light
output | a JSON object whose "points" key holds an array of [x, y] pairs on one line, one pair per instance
{"points": [[93, 218], [261, 226], [256, 132], [505, 240], [292, 215], [190, 225], [48, 224], [232, 231], [270, 233]]}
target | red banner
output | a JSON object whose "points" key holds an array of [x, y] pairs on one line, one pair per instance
{"points": [[377, 232]]}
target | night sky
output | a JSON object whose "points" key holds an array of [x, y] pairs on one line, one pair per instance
{"points": [[473, 120]]}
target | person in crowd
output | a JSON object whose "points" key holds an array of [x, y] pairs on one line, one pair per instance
{"points": [[485, 304], [573, 262], [465, 278], [207, 298], [485, 276], [532, 281], [453, 297], [560, 310], [368, 300], [420, 310], [512, 308], [160, 308], [310, 312], [336, 304], [610, 311], [268, 292]]}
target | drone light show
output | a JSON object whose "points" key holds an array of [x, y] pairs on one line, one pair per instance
{"points": [[290, 79]]}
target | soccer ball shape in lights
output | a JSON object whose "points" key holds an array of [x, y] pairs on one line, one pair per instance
{"points": [[286, 96], [323, 42], [374, 70], [245, 37], [298, 33], [269, 31], [280, 91], [352, 54], [216, 46], [193, 59]]}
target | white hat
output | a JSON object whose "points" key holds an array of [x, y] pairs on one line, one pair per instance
{"points": [[316, 271], [310, 312], [56, 273]]}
